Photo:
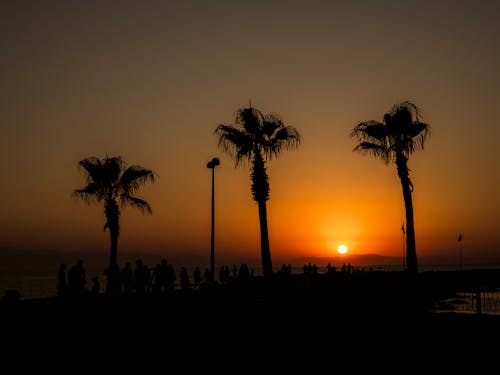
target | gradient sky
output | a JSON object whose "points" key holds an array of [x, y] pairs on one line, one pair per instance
{"points": [[151, 80]]}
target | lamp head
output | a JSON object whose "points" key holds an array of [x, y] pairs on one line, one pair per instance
{"points": [[213, 163]]}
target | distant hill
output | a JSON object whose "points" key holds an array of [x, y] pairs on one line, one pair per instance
{"points": [[13, 260], [42, 260], [356, 260]]}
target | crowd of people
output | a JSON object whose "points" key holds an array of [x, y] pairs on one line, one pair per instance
{"points": [[162, 278], [143, 279]]}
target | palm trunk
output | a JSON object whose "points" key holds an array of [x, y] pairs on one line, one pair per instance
{"points": [[111, 285], [112, 215], [260, 190], [411, 252], [265, 249]]}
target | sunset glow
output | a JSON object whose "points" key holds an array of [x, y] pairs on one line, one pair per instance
{"points": [[342, 249], [153, 85]]}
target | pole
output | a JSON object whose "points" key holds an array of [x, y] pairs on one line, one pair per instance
{"points": [[212, 164], [460, 250], [212, 237]]}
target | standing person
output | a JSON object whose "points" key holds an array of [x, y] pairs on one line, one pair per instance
{"points": [[184, 276], [206, 275], [140, 277], [77, 278], [171, 277], [235, 271], [96, 285], [62, 284], [127, 278], [197, 276]]}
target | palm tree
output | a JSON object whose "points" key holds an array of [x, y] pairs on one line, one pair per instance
{"points": [[256, 138], [400, 134], [111, 182]]}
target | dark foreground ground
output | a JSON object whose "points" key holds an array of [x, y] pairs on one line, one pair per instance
{"points": [[371, 324]]}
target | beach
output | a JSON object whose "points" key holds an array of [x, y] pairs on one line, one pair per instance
{"points": [[256, 328]]}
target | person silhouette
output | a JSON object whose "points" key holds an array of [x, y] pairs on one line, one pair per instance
{"points": [[95, 285], [62, 284], [244, 276], [207, 275], [77, 278], [140, 277], [184, 276], [197, 276], [127, 274]]}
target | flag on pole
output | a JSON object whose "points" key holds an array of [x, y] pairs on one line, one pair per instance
{"points": [[403, 228], [460, 237]]}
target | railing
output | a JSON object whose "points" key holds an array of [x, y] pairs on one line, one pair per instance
{"points": [[482, 301]]}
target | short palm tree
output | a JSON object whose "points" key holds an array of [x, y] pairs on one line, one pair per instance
{"points": [[256, 138], [111, 182], [393, 140]]}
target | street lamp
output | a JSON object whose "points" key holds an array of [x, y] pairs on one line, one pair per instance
{"points": [[212, 164]]}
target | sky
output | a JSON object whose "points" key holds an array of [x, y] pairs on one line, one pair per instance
{"points": [[151, 80]]}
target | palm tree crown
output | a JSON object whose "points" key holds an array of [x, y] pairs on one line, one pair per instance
{"points": [[255, 135], [109, 179], [400, 134]]}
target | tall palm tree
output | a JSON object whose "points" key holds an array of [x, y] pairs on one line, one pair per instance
{"points": [[256, 138], [111, 182], [400, 134]]}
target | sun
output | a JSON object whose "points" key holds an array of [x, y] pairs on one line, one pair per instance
{"points": [[342, 249]]}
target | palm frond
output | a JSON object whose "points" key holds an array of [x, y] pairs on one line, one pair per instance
{"points": [[408, 137], [285, 138], [420, 132], [237, 143], [271, 124], [136, 203], [374, 149], [90, 194], [250, 119], [370, 131], [112, 169], [410, 107], [92, 167], [135, 176]]}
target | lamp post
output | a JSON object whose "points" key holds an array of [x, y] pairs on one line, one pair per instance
{"points": [[460, 249], [212, 164], [404, 248]]}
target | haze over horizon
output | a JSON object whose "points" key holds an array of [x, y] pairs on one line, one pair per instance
{"points": [[43, 262], [151, 81]]}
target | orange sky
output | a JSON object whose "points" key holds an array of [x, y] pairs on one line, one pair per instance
{"points": [[151, 82]]}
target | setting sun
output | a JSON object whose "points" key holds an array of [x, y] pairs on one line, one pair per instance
{"points": [[342, 249]]}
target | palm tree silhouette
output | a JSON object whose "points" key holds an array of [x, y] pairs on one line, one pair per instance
{"points": [[400, 134], [111, 182], [256, 138]]}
